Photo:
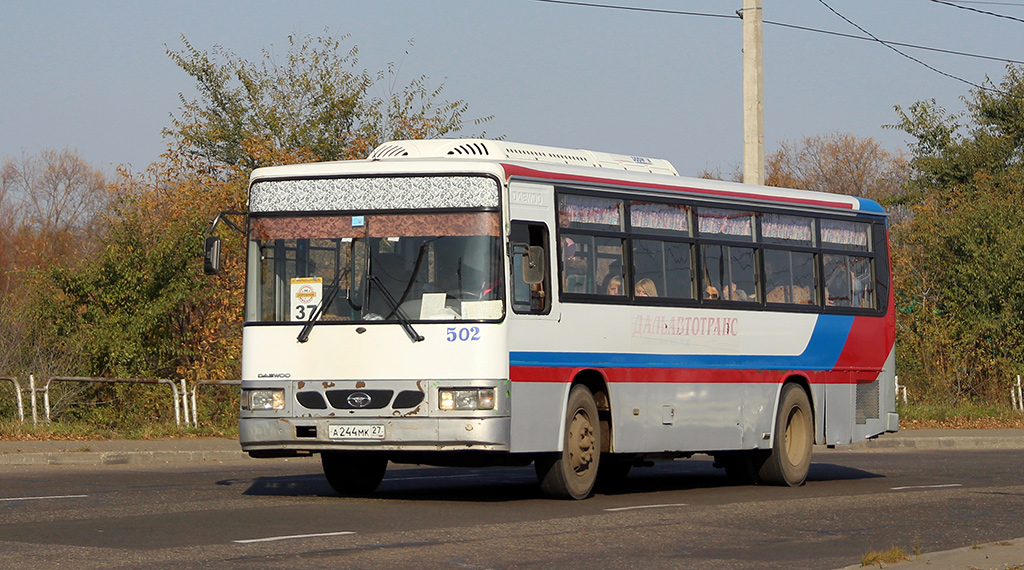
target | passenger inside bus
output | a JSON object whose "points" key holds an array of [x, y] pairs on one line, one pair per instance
{"points": [[646, 288], [614, 286]]}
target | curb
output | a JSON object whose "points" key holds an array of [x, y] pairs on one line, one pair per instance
{"points": [[119, 457], [943, 439]]}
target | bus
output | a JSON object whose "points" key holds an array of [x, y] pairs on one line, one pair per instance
{"points": [[475, 302]]}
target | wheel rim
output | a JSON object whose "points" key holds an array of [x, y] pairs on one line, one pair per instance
{"points": [[796, 436], [581, 443]]}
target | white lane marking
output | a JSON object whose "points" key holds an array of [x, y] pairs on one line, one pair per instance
{"points": [[927, 486], [41, 498], [667, 505], [292, 537]]}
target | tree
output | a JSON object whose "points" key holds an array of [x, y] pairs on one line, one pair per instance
{"points": [[313, 105], [141, 306], [960, 295], [49, 207], [838, 163], [56, 198]]}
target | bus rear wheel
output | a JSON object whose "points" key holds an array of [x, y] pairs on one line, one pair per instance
{"points": [[353, 473], [571, 474], [790, 458]]}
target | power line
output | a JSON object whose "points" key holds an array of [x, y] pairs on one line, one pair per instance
{"points": [[910, 57], [900, 44], [637, 9], [1019, 4], [782, 25], [969, 9]]}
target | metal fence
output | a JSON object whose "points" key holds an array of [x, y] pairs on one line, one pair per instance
{"points": [[184, 413], [17, 391], [195, 389]]}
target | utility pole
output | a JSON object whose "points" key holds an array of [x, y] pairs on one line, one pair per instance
{"points": [[753, 93]]}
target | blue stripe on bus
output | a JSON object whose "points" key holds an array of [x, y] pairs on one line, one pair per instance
{"points": [[822, 352]]}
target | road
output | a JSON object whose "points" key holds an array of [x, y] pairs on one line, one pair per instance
{"points": [[681, 514]]}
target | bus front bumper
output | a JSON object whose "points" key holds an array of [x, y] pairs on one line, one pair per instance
{"points": [[267, 436]]}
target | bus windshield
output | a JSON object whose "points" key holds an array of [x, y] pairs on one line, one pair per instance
{"points": [[375, 267]]}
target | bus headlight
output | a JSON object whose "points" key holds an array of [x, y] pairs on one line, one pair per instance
{"points": [[270, 399], [466, 398]]}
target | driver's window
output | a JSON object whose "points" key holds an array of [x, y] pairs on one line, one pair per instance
{"points": [[529, 240]]}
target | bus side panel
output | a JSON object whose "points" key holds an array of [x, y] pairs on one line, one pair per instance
{"points": [[538, 412], [818, 405], [839, 413], [664, 416]]}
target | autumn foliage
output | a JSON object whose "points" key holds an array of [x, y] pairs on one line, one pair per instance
{"points": [[104, 276]]}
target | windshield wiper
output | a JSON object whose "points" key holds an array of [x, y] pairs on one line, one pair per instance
{"points": [[332, 292], [395, 310]]}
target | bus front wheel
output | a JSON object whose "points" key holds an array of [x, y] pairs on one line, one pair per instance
{"points": [[571, 474], [790, 458], [353, 473]]}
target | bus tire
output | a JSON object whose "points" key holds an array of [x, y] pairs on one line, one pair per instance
{"points": [[571, 474], [790, 457], [353, 473]]}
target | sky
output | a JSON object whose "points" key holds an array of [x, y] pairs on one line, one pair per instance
{"points": [[650, 81]]}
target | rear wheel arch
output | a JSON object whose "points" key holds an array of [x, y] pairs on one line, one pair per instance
{"points": [[597, 383]]}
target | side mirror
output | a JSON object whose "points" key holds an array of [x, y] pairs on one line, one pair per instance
{"points": [[533, 265], [211, 256]]}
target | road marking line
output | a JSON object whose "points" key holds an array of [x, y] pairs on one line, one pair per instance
{"points": [[292, 536], [40, 498], [646, 507], [927, 486]]}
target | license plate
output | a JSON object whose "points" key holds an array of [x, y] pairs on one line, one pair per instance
{"points": [[356, 432]]}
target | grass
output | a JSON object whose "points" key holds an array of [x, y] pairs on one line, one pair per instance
{"points": [[892, 555], [72, 431], [963, 416]]}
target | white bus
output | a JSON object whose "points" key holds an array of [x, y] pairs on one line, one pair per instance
{"points": [[475, 302]]}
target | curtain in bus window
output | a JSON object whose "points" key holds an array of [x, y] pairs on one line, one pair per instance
{"points": [[849, 281], [725, 223], [837, 234], [729, 273], [790, 277], [659, 217], [589, 212], [666, 265], [784, 229]]}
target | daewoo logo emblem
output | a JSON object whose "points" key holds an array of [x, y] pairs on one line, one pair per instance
{"points": [[358, 399]]}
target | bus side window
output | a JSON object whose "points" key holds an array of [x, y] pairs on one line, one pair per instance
{"points": [[577, 267], [530, 247]]}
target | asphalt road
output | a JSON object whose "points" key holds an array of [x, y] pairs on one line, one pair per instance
{"points": [[681, 514]]}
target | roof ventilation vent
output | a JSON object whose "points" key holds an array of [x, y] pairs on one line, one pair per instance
{"points": [[470, 148], [389, 151]]}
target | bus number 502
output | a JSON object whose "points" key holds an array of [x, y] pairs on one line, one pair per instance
{"points": [[463, 334]]}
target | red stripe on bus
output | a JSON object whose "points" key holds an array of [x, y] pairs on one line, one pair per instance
{"points": [[513, 170], [868, 344], [553, 374]]}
